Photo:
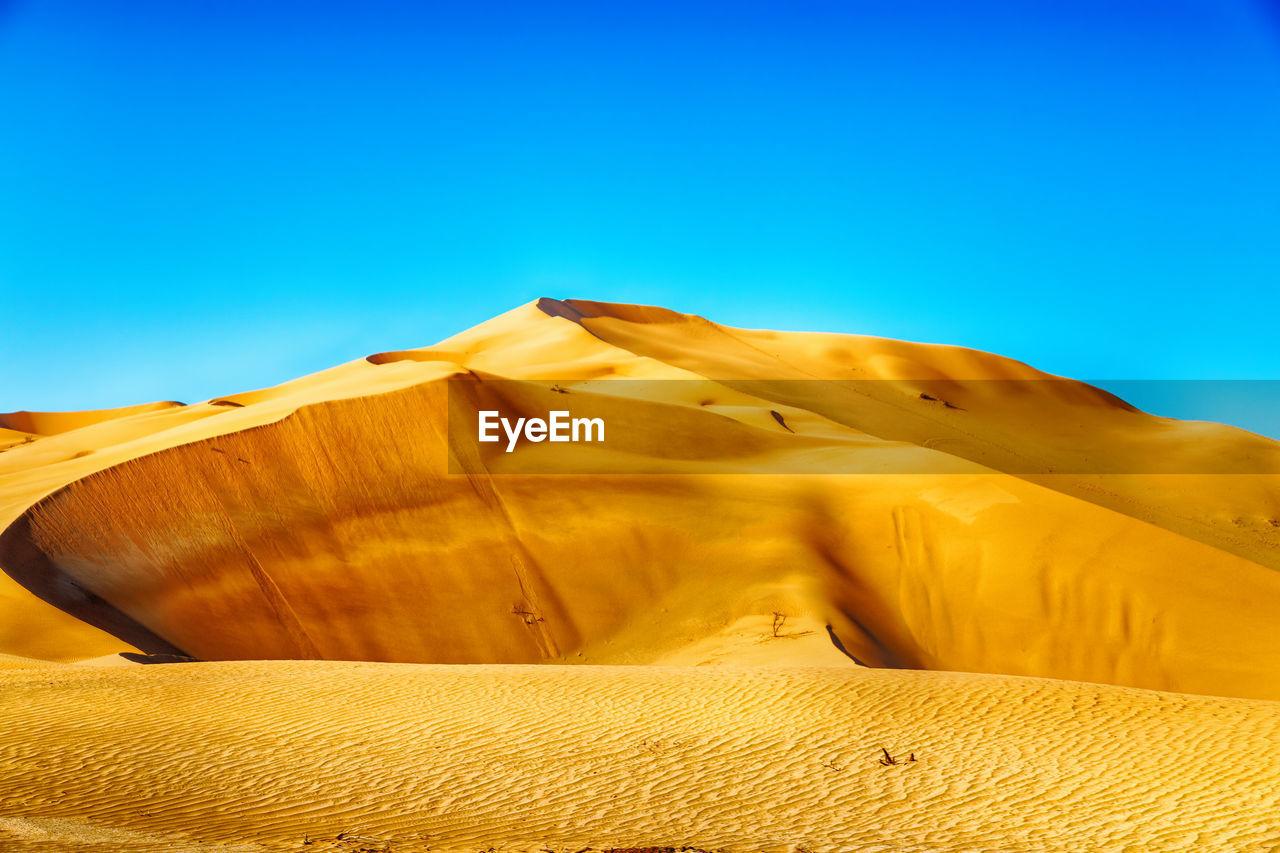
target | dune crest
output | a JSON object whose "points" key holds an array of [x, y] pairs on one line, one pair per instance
{"points": [[52, 423]]}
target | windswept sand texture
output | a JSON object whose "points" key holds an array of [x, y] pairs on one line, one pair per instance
{"points": [[751, 640], [567, 758]]}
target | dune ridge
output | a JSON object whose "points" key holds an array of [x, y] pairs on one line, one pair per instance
{"points": [[331, 512], [52, 423]]}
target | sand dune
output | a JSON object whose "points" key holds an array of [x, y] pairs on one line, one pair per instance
{"points": [[330, 529], [52, 423], [743, 641]]}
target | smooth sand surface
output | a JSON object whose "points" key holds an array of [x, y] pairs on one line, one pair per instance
{"points": [[968, 531]]}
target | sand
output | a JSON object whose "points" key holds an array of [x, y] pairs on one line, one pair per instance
{"points": [[687, 652], [771, 758]]}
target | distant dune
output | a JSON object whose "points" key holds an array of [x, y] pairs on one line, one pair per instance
{"points": [[870, 505], [52, 423]]}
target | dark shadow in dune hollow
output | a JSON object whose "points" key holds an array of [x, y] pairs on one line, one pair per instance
{"points": [[23, 561]]}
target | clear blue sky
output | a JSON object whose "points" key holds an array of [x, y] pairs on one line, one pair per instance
{"points": [[198, 198]]}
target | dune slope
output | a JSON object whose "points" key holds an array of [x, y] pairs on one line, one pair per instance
{"points": [[320, 520]]}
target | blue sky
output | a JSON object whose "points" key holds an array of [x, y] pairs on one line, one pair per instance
{"points": [[198, 198]]}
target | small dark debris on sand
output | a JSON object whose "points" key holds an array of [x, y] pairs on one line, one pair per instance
{"points": [[947, 403]]}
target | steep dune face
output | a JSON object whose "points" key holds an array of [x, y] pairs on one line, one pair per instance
{"points": [[321, 520], [35, 466]]}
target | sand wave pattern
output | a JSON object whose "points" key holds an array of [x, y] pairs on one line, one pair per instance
{"points": [[535, 758]]}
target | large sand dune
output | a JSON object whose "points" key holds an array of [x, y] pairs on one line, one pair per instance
{"points": [[775, 500]]}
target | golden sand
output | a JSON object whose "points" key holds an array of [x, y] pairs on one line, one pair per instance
{"points": [[744, 644]]}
